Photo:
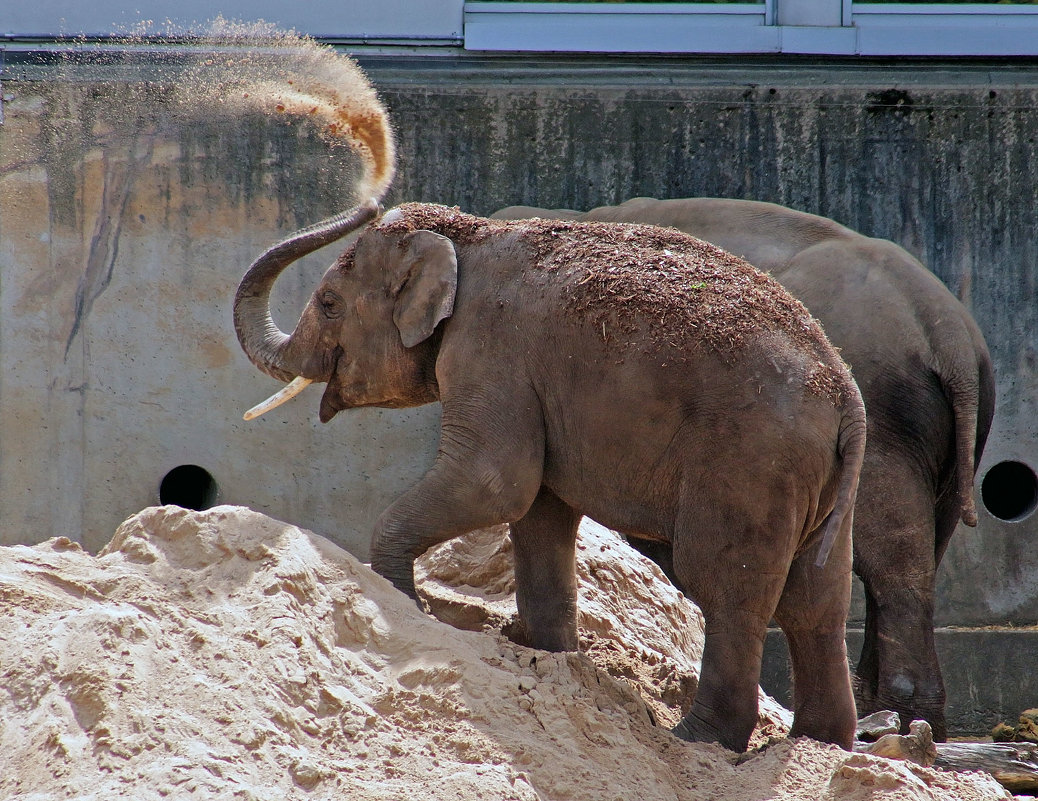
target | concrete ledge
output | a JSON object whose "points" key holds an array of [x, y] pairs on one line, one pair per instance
{"points": [[989, 673]]}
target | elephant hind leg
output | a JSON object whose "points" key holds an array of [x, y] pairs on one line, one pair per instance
{"points": [[725, 706], [733, 566], [812, 613], [895, 555], [898, 670]]}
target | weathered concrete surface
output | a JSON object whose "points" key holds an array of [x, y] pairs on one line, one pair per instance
{"points": [[120, 249], [123, 232]]}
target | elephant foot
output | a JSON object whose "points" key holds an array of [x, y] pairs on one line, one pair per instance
{"points": [[908, 706], [399, 571], [556, 639], [694, 730]]}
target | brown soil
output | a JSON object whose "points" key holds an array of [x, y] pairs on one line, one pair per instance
{"points": [[307, 82]]}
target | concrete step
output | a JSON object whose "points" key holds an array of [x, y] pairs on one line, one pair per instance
{"points": [[990, 674]]}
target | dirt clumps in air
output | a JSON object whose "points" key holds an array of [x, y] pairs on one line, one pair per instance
{"points": [[223, 654], [257, 67]]}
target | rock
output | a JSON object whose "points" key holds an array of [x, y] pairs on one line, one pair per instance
{"points": [[1003, 733], [1025, 730], [917, 746], [876, 725]]}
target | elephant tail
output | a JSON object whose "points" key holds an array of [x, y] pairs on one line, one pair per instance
{"points": [[851, 447], [972, 399]]}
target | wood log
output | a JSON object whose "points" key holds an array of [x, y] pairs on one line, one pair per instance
{"points": [[1013, 765]]}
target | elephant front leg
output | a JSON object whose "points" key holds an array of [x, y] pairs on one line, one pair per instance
{"points": [[476, 481], [544, 543], [437, 509]]}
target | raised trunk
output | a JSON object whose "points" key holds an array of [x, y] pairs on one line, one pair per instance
{"points": [[267, 346]]}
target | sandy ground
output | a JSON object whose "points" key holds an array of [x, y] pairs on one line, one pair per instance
{"points": [[224, 654]]}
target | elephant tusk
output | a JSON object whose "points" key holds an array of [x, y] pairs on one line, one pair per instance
{"points": [[286, 394]]}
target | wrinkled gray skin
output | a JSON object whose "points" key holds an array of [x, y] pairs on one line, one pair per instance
{"points": [[734, 462], [925, 374]]}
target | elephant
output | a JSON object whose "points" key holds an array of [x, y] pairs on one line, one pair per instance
{"points": [[924, 371], [639, 376]]}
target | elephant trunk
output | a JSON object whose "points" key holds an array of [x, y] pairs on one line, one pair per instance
{"points": [[267, 346]]}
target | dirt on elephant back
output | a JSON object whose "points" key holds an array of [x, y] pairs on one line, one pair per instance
{"points": [[623, 278], [223, 654]]}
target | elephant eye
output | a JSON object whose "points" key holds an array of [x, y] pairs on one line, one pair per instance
{"points": [[331, 304]]}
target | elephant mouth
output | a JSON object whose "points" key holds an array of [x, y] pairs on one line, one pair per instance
{"points": [[331, 405]]}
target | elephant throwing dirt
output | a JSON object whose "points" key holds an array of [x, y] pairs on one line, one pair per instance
{"points": [[925, 374], [636, 375]]}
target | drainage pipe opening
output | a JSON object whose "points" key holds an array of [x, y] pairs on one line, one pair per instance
{"points": [[1010, 491], [189, 486]]}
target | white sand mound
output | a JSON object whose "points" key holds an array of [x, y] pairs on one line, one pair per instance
{"points": [[226, 655]]}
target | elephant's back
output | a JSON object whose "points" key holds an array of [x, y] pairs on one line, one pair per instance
{"points": [[663, 288], [872, 297], [914, 349], [764, 234]]}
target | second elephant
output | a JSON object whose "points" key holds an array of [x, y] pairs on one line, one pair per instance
{"points": [[926, 377]]}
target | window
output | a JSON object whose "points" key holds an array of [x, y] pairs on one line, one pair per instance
{"points": [[823, 27]]}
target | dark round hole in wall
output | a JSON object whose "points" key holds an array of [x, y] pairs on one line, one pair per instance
{"points": [[190, 486], [1010, 491]]}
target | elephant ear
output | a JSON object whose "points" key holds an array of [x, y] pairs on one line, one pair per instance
{"points": [[426, 289]]}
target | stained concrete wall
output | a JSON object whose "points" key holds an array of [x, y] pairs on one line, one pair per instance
{"points": [[124, 228], [120, 249]]}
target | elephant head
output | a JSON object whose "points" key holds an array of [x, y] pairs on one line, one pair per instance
{"points": [[368, 328]]}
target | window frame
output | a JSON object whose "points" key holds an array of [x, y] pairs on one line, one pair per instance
{"points": [[774, 26], [819, 27]]}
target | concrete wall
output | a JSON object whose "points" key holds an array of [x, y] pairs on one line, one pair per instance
{"points": [[122, 239], [124, 229]]}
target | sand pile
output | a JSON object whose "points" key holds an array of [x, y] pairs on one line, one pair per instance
{"points": [[224, 654]]}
